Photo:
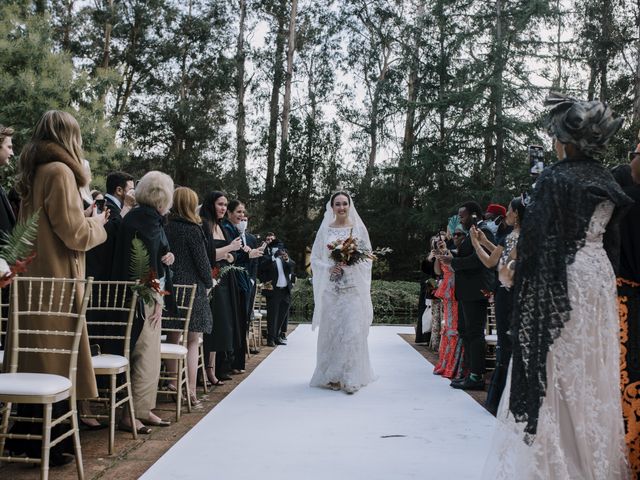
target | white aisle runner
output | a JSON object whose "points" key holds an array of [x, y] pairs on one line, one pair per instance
{"points": [[407, 424]]}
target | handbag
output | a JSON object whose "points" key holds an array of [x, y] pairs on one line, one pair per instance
{"points": [[427, 317]]}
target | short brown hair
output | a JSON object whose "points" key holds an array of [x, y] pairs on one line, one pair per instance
{"points": [[185, 202], [5, 132]]}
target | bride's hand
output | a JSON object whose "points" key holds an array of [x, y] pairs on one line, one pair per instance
{"points": [[336, 270]]}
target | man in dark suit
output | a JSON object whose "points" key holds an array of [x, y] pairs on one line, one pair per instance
{"points": [[277, 270], [7, 217], [119, 199], [473, 281]]}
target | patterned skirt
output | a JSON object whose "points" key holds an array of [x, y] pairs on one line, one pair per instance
{"points": [[436, 323], [629, 310]]}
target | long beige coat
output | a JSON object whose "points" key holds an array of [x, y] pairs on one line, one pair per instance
{"points": [[64, 235]]}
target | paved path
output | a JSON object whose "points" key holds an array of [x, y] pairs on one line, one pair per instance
{"points": [[408, 424]]}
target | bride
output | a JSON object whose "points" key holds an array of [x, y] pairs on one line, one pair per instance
{"points": [[343, 308]]}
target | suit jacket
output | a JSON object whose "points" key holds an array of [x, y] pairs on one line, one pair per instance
{"points": [[472, 277], [268, 271], [100, 258], [7, 217]]}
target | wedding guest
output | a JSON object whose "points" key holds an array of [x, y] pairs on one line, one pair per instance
{"points": [[50, 173], [189, 245], [225, 302], [451, 351], [276, 270], [561, 414], [236, 226], [7, 217], [154, 194], [494, 217], [628, 282], [273, 245], [428, 285], [119, 199], [501, 255], [473, 282]]}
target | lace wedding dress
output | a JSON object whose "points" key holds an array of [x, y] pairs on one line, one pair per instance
{"points": [[343, 312], [580, 432]]}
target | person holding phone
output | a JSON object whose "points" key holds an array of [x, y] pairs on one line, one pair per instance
{"points": [[472, 280]]}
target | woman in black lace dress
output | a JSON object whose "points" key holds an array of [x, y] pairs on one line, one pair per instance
{"points": [[189, 246], [225, 302]]}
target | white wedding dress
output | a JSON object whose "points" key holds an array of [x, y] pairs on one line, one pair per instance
{"points": [[343, 312], [580, 432]]}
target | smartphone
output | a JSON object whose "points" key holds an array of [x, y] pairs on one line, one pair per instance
{"points": [[100, 205], [536, 159]]}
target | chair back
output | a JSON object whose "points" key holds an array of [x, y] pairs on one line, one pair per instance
{"points": [[184, 295], [50, 314], [110, 313], [5, 299]]}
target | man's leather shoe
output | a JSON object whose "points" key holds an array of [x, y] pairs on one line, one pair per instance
{"points": [[457, 380], [283, 337], [469, 384], [279, 341]]}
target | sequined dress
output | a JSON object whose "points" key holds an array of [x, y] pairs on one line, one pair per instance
{"points": [[580, 432]]}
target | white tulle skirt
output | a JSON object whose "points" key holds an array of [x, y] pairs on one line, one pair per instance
{"points": [[343, 350]]}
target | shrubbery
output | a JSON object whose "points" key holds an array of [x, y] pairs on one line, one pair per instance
{"points": [[393, 302]]}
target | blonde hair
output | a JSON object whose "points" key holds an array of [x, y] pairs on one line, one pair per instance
{"points": [[54, 126], [185, 204], [156, 190]]}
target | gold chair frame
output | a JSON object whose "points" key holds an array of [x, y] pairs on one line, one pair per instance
{"points": [[60, 301], [184, 296], [113, 297]]}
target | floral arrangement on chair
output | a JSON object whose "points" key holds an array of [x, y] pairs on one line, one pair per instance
{"points": [[17, 252], [139, 269]]}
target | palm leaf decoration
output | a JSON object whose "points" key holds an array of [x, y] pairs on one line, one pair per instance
{"points": [[18, 244], [139, 262]]}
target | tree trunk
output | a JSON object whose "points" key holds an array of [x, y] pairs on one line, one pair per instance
{"points": [[286, 107], [108, 28], [275, 99], [636, 87], [241, 142], [408, 141], [498, 95]]}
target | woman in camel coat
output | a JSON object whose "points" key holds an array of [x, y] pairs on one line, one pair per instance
{"points": [[49, 178]]}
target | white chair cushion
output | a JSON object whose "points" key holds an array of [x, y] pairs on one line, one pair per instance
{"points": [[33, 384], [172, 349], [257, 314], [263, 312], [109, 361], [491, 338], [200, 340], [1, 358]]}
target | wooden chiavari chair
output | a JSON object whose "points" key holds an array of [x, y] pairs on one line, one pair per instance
{"points": [[110, 314], [34, 302], [184, 295]]}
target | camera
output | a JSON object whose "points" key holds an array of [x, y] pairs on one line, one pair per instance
{"points": [[100, 205]]}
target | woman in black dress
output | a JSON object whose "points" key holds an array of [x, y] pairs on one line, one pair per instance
{"points": [[236, 215], [225, 302], [191, 265]]}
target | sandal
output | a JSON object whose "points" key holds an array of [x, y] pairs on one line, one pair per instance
{"points": [[143, 430], [194, 400], [213, 373]]}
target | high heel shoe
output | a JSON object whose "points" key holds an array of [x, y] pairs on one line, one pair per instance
{"points": [[195, 403], [215, 382]]}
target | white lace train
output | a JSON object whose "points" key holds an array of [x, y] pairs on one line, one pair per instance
{"points": [[580, 432]]}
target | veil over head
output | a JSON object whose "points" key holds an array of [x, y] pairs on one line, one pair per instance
{"points": [[321, 264]]}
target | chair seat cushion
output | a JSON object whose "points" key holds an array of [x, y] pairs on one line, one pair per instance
{"points": [[33, 384], [172, 349], [1, 358], [109, 361], [491, 338]]}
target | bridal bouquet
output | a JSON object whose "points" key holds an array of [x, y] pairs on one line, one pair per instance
{"points": [[351, 251]]}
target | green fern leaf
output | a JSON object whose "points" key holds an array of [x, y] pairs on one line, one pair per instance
{"points": [[18, 244], [139, 263]]}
